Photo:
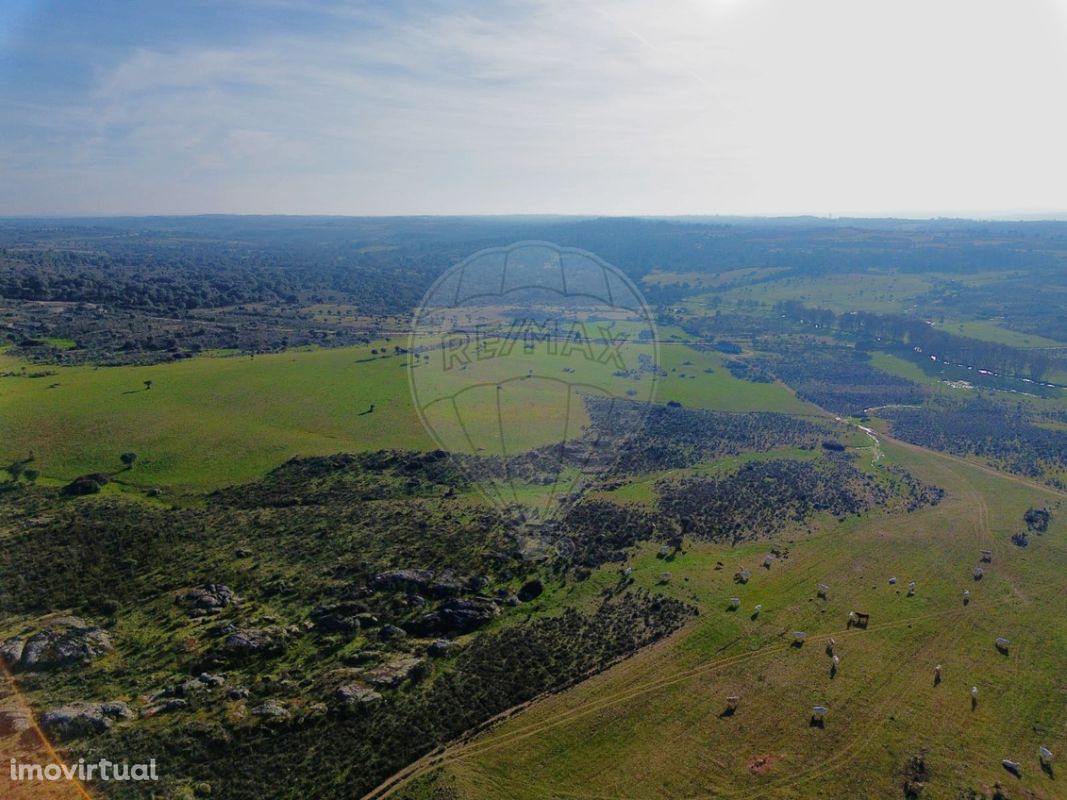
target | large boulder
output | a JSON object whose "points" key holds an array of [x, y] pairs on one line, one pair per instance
{"points": [[272, 709], [66, 642], [247, 643], [83, 719], [208, 598], [354, 695], [459, 615], [11, 651]]}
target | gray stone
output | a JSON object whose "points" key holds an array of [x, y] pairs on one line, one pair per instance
{"points": [[83, 719], [271, 708], [391, 675], [67, 641], [208, 598], [355, 694]]}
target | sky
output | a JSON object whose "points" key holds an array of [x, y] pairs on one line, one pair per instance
{"points": [[765, 107]]}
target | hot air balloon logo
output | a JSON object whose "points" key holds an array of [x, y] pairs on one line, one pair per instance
{"points": [[532, 365]]}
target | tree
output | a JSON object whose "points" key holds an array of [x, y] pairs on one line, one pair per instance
{"points": [[147, 385], [129, 459]]}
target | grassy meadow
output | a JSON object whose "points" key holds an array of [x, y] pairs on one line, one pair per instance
{"points": [[212, 421], [654, 726]]}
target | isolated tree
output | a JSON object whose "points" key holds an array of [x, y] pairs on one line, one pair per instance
{"points": [[129, 459]]}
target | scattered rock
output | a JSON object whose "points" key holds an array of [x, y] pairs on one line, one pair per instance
{"points": [[242, 552], [238, 693]]}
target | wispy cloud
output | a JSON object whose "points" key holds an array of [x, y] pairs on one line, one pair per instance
{"points": [[695, 106]]}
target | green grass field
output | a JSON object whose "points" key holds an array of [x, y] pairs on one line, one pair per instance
{"points": [[212, 421], [653, 725]]}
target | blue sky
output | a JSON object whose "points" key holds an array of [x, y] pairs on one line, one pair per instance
{"points": [[623, 107]]}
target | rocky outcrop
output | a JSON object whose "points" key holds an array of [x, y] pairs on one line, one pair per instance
{"points": [[83, 719], [270, 708], [252, 642], [66, 642], [208, 598], [391, 675], [457, 616], [354, 695]]}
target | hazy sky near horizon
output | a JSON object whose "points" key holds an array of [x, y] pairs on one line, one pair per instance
{"points": [[864, 107]]}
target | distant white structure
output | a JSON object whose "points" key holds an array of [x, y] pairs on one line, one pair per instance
{"points": [[824, 590], [1045, 755], [735, 603], [987, 556]]}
